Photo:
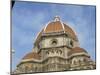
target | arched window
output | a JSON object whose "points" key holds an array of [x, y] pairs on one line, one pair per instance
{"points": [[71, 43], [80, 62], [52, 51], [60, 51], [57, 51], [75, 62], [47, 52], [54, 42], [26, 69]]}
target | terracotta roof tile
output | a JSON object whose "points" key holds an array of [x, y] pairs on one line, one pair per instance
{"points": [[54, 27], [57, 26], [70, 31], [76, 50], [32, 55]]}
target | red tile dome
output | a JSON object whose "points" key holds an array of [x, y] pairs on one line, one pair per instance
{"points": [[32, 55], [76, 50], [57, 26]]}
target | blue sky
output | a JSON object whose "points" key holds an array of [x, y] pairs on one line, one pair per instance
{"points": [[29, 17]]}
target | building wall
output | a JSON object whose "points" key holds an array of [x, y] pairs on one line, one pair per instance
{"points": [[47, 42], [56, 64], [54, 57], [48, 49]]}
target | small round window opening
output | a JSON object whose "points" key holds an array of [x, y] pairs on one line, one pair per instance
{"points": [[54, 42], [71, 43]]}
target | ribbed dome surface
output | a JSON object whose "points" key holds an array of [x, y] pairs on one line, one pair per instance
{"points": [[32, 55], [54, 27], [57, 26], [69, 30]]}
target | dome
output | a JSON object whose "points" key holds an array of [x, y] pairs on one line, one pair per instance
{"points": [[32, 55], [57, 26], [76, 50]]}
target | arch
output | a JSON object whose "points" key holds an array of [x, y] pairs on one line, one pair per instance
{"points": [[79, 61], [52, 51], [26, 69], [54, 42], [71, 43], [74, 61], [60, 51], [47, 52]]}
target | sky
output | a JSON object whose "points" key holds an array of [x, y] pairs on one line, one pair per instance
{"points": [[28, 18]]}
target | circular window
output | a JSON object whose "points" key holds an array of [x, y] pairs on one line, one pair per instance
{"points": [[71, 43], [54, 42]]}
